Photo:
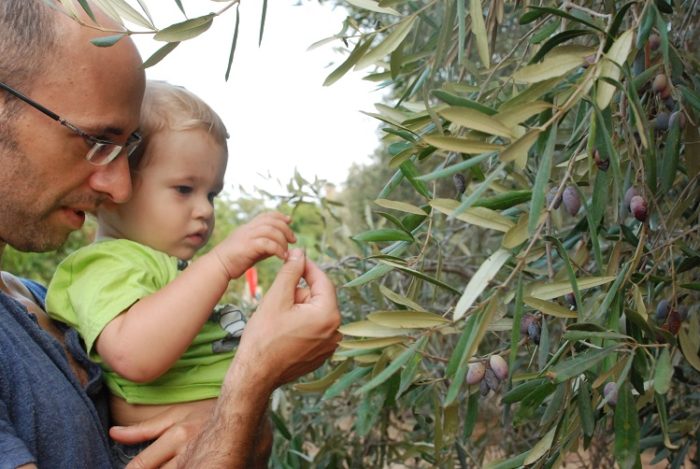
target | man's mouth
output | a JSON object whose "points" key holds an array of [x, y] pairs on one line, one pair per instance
{"points": [[75, 217]]}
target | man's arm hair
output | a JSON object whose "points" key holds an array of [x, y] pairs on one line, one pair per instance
{"points": [[229, 441]]}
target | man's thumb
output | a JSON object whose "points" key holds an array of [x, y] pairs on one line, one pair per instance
{"points": [[289, 275]]}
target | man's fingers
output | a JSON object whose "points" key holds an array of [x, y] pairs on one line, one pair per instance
{"points": [[153, 456], [301, 295], [322, 289], [172, 464], [288, 277], [139, 432]]}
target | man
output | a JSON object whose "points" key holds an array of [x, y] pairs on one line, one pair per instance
{"points": [[68, 116]]}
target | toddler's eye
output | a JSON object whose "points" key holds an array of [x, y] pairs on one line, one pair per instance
{"points": [[183, 189], [211, 196]]}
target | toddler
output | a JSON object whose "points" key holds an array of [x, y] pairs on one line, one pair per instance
{"points": [[144, 317]]}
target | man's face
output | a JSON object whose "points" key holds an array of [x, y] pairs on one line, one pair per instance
{"points": [[46, 185]]}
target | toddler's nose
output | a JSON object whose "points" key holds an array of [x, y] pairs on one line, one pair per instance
{"points": [[204, 209]]}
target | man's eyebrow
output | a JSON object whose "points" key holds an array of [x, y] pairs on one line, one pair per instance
{"points": [[105, 130], [113, 130]]}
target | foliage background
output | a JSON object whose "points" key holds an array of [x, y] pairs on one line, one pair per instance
{"points": [[453, 235]]}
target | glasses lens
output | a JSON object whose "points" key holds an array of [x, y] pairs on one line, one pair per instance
{"points": [[133, 143], [103, 153]]}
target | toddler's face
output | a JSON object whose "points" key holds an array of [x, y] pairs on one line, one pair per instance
{"points": [[172, 206]]}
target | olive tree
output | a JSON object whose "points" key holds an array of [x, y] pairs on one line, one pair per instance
{"points": [[559, 286]]}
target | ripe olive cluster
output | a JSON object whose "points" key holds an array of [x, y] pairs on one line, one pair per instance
{"points": [[488, 375], [636, 204], [663, 120], [634, 200], [670, 318], [570, 198]]}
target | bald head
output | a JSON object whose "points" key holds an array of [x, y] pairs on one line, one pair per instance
{"points": [[27, 36], [46, 184], [34, 37]]}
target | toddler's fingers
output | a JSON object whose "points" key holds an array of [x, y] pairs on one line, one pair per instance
{"points": [[274, 235], [269, 216], [284, 228], [270, 247], [261, 226]]}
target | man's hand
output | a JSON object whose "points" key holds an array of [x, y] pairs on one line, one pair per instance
{"points": [[172, 429], [266, 235], [294, 329], [292, 332]]}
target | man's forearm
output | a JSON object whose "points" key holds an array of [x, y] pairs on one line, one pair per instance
{"points": [[293, 331], [229, 440]]}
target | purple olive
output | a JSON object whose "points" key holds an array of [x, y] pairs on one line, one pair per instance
{"points": [[492, 380], [677, 116], [550, 197], [654, 41], [533, 330], [572, 201], [484, 388], [631, 192], [499, 366], [660, 83], [610, 393], [670, 103], [638, 207], [662, 310], [602, 163], [525, 322], [661, 121], [475, 373], [673, 323]]}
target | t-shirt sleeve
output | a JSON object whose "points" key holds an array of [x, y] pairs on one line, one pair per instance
{"points": [[97, 283], [13, 450]]}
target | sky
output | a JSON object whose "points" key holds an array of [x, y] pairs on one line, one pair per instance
{"points": [[274, 105]]}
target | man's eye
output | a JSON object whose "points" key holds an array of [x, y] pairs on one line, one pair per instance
{"points": [[183, 189]]}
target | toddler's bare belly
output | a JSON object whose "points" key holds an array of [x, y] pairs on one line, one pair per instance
{"points": [[126, 414]]}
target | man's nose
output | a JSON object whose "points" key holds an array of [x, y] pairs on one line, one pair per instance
{"points": [[113, 179]]}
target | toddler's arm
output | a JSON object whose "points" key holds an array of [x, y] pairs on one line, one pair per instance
{"points": [[144, 341]]}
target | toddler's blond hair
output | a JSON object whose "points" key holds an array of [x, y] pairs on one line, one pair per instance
{"points": [[170, 107]]}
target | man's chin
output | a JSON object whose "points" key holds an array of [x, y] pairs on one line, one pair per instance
{"points": [[42, 239], [41, 246]]}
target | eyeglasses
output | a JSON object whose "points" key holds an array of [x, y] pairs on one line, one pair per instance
{"points": [[101, 151]]}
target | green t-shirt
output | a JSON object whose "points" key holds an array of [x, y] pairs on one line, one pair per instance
{"points": [[98, 282]]}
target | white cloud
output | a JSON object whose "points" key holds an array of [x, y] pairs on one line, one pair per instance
{"points": [[274, 105]]}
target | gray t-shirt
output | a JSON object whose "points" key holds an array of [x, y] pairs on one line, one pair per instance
{"points": [[46, 417]]}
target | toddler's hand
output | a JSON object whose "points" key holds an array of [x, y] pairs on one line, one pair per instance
{"points": [[266, 235]]}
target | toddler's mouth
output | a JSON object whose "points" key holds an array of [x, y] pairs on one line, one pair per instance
{"points": [[197, 238]]}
